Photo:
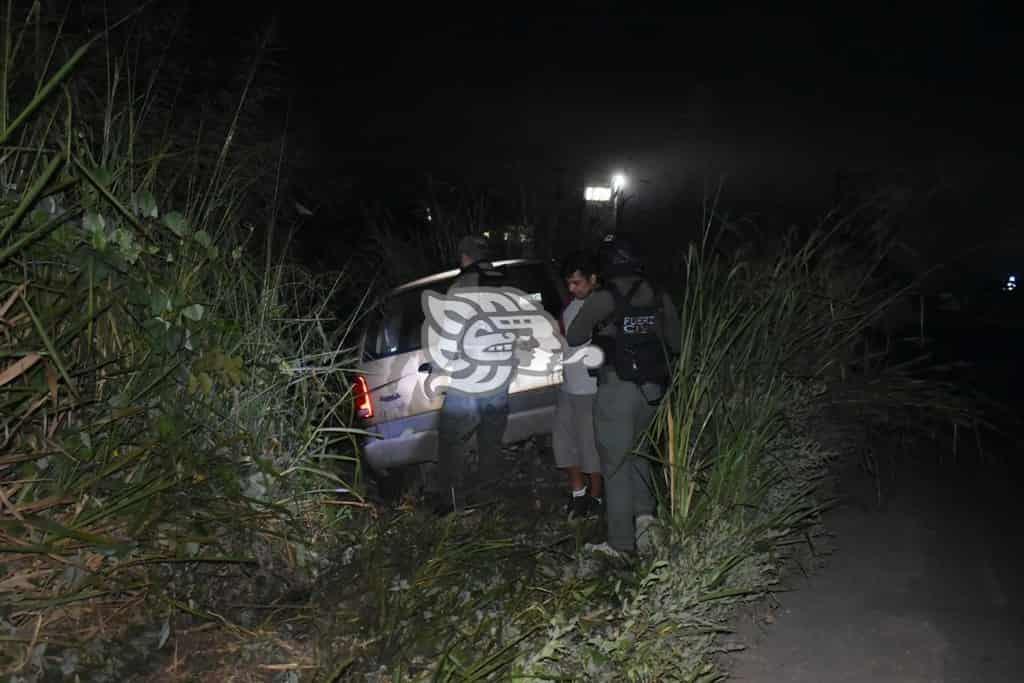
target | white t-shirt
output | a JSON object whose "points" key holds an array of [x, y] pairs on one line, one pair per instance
{"points": [[575, 379]]}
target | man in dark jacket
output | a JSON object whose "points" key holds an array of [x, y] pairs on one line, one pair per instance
{"points": [[624, 409], [463, 415]]}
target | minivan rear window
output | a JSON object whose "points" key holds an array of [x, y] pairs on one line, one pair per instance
{"points": [[395, 327], [536, 279]]}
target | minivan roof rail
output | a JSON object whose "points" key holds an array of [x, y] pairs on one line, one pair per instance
{"points": [[445, 275]]}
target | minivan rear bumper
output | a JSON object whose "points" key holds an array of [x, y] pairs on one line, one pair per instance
{"points": [[413, 440]]}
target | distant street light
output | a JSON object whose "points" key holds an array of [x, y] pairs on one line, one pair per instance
{"points": [[618, 184], [597, 195]]}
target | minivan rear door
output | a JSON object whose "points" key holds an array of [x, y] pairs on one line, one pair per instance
{"points": [[395, 365]]}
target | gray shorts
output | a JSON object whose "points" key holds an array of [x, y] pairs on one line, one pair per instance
{"points": [[573, 438]]}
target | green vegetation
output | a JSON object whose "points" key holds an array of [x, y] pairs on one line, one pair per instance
{"points": [[170, 399], [180, 474]]}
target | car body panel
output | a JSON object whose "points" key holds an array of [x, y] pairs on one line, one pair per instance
{"points": [[405, 419]]}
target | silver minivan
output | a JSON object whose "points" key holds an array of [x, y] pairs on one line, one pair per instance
{"points": [[390, 396]]}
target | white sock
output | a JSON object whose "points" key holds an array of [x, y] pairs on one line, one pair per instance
{"points": [[579, 494]]}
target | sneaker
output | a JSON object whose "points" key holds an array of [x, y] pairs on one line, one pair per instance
{"points": [[647, 534], [619, 559], [577, 507], [595, 507]]}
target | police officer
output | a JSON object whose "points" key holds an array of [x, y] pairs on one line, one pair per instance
{"points": [[624, 409]]}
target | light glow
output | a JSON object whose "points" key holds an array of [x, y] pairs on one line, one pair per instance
{"points": [[598, 194]]}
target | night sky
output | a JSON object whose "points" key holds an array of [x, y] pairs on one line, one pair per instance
{"points": [[775, 104]]}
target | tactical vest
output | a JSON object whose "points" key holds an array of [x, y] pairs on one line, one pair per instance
{"points": [[637, 350]]}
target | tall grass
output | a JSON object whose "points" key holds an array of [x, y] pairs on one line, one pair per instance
{"points": [[766, 340], [176, 422], [169, 400]]}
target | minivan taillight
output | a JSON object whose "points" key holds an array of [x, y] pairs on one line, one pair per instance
{"points": [[364, 403]]}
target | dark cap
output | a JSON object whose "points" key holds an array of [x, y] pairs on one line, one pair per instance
{"points": [[618, 257]]}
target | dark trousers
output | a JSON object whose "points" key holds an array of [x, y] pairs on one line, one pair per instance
{"points": [[462, 415], [621, 416]]}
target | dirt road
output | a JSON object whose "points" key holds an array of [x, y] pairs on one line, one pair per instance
{"points": [[926, 586]]}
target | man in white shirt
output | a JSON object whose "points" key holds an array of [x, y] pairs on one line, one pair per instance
{"points": [[573, 442]]}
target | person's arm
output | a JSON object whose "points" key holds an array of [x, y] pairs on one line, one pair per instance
{"points": [[673, 324], [596, 308]]}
